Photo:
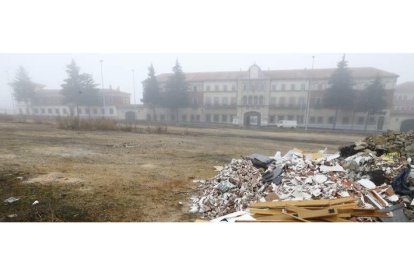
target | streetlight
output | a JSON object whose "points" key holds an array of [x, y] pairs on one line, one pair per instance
{"points": [[308, 101], [133, 84], [102, 81]]}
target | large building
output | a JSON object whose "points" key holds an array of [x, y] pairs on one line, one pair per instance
{"points": [[402, 114], [259, 97], [49, 103]]}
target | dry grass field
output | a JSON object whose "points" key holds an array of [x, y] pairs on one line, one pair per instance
{"points": [[124, 176]]}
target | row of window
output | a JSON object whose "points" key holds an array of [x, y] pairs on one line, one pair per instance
{"points": [[217, 118], [260, 86], [65, 111], [224, 101], [320, 119]]}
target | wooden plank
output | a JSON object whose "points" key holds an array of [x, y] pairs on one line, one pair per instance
{"points": [[279, 217], [334, 219], [308, 214], [303, 203], [265, 211], [293, 216]]}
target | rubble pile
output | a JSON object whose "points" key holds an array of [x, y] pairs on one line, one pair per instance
{"points": [[235, 187], [376, 172]]}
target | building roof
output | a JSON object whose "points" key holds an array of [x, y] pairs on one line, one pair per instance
{"points": [[405, 87], [57, 92], [356, 72]]}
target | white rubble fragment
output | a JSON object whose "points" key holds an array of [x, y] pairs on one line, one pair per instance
{"points": [[393, 198], [331, 157], [35, 202], [367, 183], [10, 200], [336, 168], [319, 178]]}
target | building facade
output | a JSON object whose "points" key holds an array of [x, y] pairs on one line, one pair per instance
{"points": [[402, 114], [49, 103], [263, 97]]}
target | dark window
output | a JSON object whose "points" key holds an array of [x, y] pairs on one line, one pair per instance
{"points": [[280, 117], [345, 120], [320, 120], [162, 117], [198, 118], [111, 111], [261, 102], [244, 100], [272, 119], [250, 100], [224, 118], [283, 87], [208, 118], [225, 87], [95, 111], [195, 88], [80, 110], [64, 111], [371, 120], [103, 111], [57, 111], [282, 101], [320, 86], [208, 87], [331, 119], [360, 121], [42, 109], [49, 110], [292, 101], [149, 117], [312, 119], [272, 100], [35, 110], [184, 118], [216, 87], [172, 117], [216, 118], [290, 117], [255, 101], [192, 118], [299, 118], [233, 101]]}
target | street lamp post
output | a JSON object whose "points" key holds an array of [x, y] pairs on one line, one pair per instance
{"points": [[102, 82], [308, 100], [133, 84]]}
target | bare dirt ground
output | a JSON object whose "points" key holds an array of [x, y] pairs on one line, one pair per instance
{"points": [[124, 176]]}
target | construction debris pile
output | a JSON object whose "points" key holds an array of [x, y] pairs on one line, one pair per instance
{"points": [[373, 176]]}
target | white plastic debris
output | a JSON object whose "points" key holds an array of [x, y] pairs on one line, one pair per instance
{"points": [[319, 178], [10, 200], [412, 203], [367, 183], [394, 198], [332, 156], [35, 202]]}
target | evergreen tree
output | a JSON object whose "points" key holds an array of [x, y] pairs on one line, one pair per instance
{"points": [[340, 95], [152, 96], [151, 88], [372, 100], [79, 89], [176, 95], [24, 90]]}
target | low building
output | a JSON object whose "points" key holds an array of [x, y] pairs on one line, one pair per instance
{"points": [[259, 97], [49, 103]]}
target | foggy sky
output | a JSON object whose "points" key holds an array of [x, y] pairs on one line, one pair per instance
{"points": [[49, 69]]}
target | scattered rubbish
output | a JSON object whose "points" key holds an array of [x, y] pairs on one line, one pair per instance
{"points": [[11, 200], [19, 178], [375, 173], [12, 216], [35, 202]]}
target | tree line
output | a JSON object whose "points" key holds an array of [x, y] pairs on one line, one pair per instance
{"points": [[342, 96], [77, 89]]}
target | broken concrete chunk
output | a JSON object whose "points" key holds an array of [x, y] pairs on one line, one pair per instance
{"points": [[319, 178]]}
